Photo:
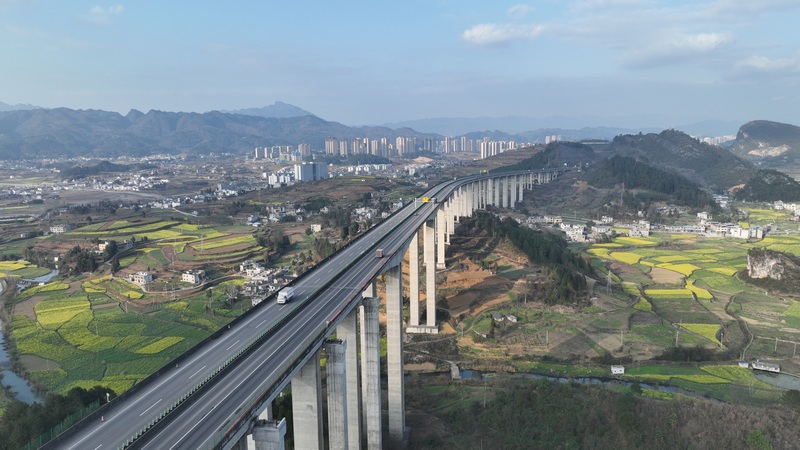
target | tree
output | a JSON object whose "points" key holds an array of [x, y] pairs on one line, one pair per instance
{"points": [[231, 293]]}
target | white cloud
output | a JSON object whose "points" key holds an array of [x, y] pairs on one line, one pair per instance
{"points": [[102, 16], [519, 11], [676, 48], [763, 64], [494, 34]]}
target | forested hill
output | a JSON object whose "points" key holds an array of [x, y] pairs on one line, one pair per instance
{"points": [[680, 153], [768, 186], [637, 175], [556, 154]]}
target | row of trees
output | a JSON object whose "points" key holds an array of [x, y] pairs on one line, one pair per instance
{"points": [[22, 422]]}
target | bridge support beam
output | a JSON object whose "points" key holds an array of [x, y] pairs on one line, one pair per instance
{"points": [[413, 281], [505, 192], [429, 254], [348, 332], [394, 350], [370, 290], [269, 434], [306, 405], [337, 393], [496, 201], [441, 231], [371, 371], [513, 191]]}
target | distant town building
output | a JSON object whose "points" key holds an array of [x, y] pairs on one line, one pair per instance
{"points": [[310, 171], [617, 370]]}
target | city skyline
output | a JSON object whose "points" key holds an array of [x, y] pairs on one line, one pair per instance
{"points": [[630, 63]]}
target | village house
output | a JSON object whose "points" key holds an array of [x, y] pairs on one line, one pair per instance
{"points": [[141, 278], [194, 276]]}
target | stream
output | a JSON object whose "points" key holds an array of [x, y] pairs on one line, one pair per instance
{"points": [[17, 386]]}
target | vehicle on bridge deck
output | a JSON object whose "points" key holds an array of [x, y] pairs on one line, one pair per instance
{"points": [[379, 253], [285, 295]]}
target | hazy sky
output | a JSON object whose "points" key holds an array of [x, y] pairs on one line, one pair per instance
{"points": [[627, 62]]}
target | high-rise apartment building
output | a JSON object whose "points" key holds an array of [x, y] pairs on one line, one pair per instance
{"points": [[331, 146]]}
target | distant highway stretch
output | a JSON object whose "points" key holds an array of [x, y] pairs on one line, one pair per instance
{"points": [[177, 415]]}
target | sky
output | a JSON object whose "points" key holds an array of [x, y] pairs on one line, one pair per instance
{"points": [[606, 62]]}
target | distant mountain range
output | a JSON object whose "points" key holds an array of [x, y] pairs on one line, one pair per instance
{"points": [[278, 110], [62, 132], [30, 132], [536, 128], [7, 107]]}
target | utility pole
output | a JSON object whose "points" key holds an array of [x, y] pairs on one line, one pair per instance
{"points": [[484, 394]]}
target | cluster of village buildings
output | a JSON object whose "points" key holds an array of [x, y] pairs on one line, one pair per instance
{"points": [[577, 230]]}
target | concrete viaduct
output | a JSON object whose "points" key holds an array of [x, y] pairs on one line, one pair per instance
{"points": [[353, 385]]}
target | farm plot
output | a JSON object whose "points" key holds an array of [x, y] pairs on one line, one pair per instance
{"points": [[706, 330], [247, 240], [105, 346], [682, 310]]}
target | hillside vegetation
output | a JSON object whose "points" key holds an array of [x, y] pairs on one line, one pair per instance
{"points": [[549, 415], [677, 152], [637, 175], [556, 154], [769, 186]]}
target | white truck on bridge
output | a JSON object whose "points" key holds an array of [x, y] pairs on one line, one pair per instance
{"points": [[285, 295]]}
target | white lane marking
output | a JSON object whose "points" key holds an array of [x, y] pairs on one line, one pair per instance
{"points": [[192, 429], [151, 407], [231, 346], [262, 323], [198, 371], [98, 446]]}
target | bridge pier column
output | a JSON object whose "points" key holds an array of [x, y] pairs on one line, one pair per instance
{"points": [[413, 281], [451, 222], [429, 252], [484, 191], [522, 181], [441, 231], [269, 434], [394, 350], [265, 416], [337, 394], [513, 191], [457, 203], [496, 200], [475, 188], [489, 191], [505, 192], [371, 372], [348, 332], [470, 198], [306, 405]]}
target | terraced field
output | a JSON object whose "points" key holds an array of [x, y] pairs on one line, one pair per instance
{"points": [[80, 334], [706, 301]]}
